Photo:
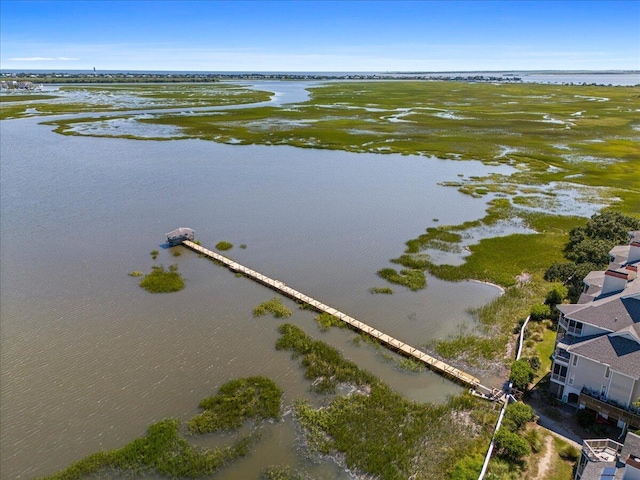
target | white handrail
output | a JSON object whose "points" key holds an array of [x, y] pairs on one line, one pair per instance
{"points": [[485, 465]]}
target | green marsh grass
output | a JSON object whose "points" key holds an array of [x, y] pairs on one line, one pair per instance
{"points": [[163, 281], [237, 401], [25, 98], [377, 431], [326, 321], [274, 307], [224, 246], [113, 98], [411, 278], [381, 290], [282, 472], [323, 364], [161, 452], [456, 120]]}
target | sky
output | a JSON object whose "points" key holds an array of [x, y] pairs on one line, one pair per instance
{"points": [[320, 36]]}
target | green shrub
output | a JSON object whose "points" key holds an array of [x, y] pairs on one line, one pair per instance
{"points": [[535, 439], [521, 374], [511, 446], [540, 312], [534, 362], [136, 273], [556, 295], [569, 452], [162, 281], [154, 254], [519, 413], [467, 468]]}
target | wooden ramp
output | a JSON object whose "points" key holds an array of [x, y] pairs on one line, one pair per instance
{"points": [[433, 363]]}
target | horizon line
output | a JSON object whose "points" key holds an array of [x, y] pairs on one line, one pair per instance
{"points": [[93, 70]]}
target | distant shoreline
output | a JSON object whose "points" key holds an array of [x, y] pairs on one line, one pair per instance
{"points": [[599, 78]]}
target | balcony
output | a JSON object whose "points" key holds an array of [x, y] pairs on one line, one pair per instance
{"points": [[561, 355], [630, 415], [605, 450], [563, 322], [571, 327]]}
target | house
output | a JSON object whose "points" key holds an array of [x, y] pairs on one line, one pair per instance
{"points": [[609, 460], [596, 362], [177, 236]]}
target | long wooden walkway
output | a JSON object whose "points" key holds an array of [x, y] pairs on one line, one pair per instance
{"points": [[279, 286]]}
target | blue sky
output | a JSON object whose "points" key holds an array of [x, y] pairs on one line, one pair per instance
{"points": [[305, 35]]}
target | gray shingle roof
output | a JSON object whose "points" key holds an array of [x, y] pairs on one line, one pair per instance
{"points": [[611, 312], [620, 353], [179, 232]]}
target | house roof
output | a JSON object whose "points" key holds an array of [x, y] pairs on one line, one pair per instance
{"points": [[595, 278], [610, 312], [631, 446], [178, 232], [619, 352], [597, 470], [620, 254]]}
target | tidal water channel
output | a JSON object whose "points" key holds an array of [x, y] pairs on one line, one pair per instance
{"points": [[89, 360]]}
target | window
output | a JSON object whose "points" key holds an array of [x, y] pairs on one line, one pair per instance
{"points": [[603, 392], [572, 377], [574, 327], [607, 372], [574, 360], [559, 373]]}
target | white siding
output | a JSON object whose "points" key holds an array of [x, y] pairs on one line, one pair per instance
{"points": [[591, 330], [620, 388], [589, 374]]}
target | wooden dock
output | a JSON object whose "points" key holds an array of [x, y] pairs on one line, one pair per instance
{"points": [[433, 363]]}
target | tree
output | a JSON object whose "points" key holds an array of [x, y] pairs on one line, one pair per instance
{"points": [[571, 275], [603, 231], [511, 446], [611, 226], [556, 295], [521, 374], [590, 251], [519, 413]]}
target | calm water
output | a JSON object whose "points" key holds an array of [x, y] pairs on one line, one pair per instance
{"points": [[89, 360]]}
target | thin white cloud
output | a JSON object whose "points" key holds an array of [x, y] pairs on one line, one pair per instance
{"points": [[44, 59]]}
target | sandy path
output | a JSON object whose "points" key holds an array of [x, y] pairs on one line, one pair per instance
{"points": [[545, 460]]}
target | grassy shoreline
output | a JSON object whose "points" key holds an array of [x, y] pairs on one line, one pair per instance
{"points": [[166, 452], [375, 430]]}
